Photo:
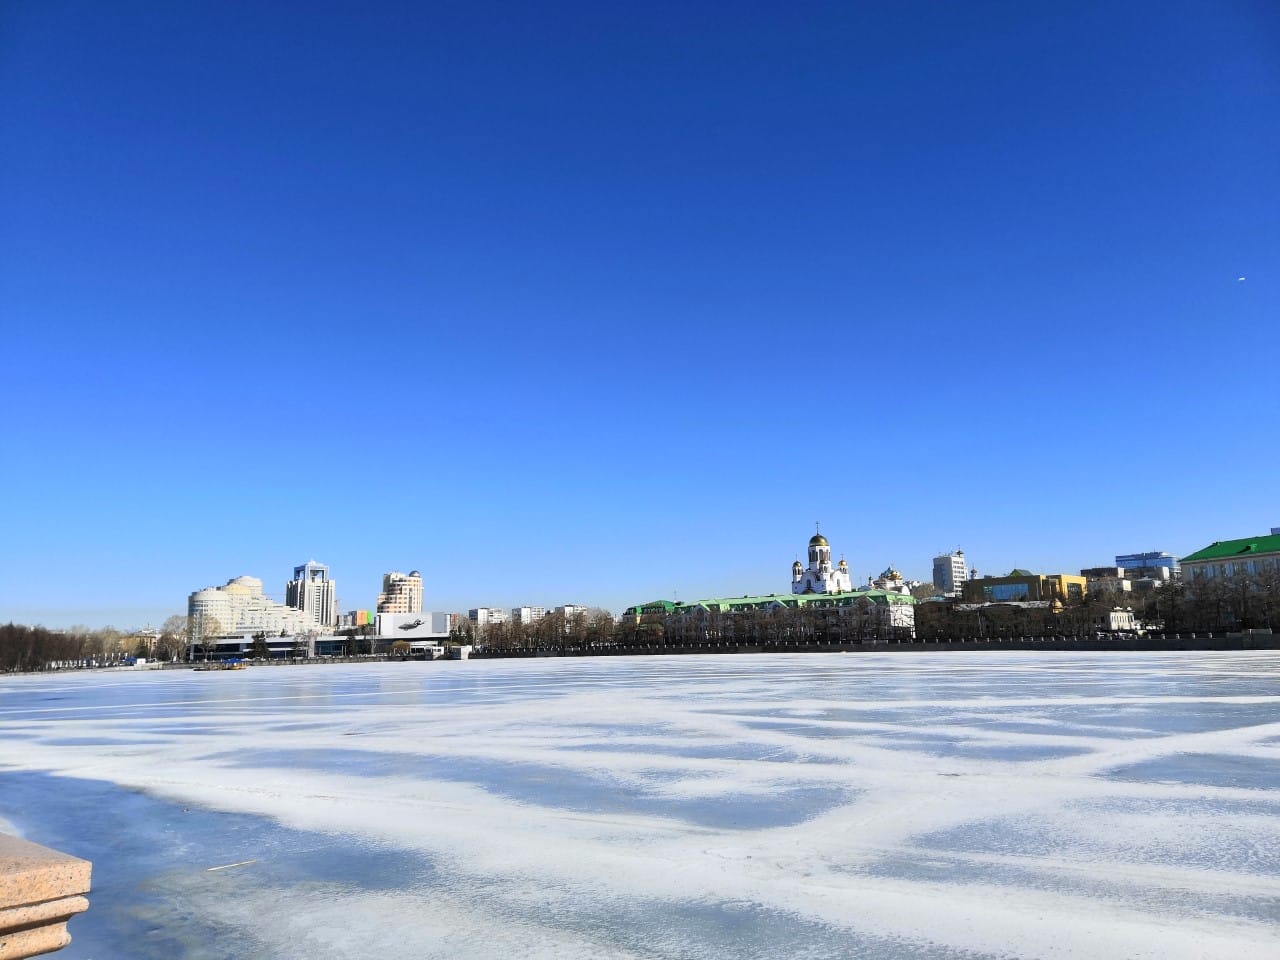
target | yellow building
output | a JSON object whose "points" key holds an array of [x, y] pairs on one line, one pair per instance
{"points": [[1023, 585]]}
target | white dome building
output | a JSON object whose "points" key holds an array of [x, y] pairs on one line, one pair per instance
{"points": [[241, 607], [890, 581]]}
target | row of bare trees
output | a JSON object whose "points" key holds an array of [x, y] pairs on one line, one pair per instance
{"points": [[590, 628], [949, 621], [35, 648], [764, 625], [1220, 605], [24, 648], [1217, 604]]}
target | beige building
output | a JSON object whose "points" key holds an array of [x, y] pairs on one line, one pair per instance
{"points": [[401, 593], [1247, 557], [241, 607]]}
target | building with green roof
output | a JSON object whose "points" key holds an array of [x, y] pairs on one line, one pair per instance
{"points": [[823, 592], [868, 613], [1247, 557]]}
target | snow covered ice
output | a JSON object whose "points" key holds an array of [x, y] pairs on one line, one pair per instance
{"points": [[905, 805]]}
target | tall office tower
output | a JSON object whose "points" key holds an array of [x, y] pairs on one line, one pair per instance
{"points": [[949, 572], [312, 592], [401, 593]]}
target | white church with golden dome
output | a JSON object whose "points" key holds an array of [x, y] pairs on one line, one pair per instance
{"points": [[884, 607], [821, 577]]}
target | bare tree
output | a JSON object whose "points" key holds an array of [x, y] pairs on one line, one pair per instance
{"points": [[463, 632], [203, 633], [172, 641]]}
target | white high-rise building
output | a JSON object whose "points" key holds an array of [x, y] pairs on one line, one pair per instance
{"points": [[950, 572], [526, 615], [312, 592], [241, 607], [487, 616], [401, 593]]}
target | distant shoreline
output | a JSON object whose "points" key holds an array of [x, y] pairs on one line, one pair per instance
{"points": [[1162, 644]]}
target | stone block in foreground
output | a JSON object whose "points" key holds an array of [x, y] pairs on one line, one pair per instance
{"points": [[40, 890]]}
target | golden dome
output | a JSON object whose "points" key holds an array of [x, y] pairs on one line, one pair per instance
{"points": [[818, 540]]}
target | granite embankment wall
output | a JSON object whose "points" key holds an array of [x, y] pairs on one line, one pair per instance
{"points": [[1130, 644], [1082, 644], [40, 890]]}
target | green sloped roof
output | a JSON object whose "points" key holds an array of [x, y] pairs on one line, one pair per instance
{"points": [[799, 599], [666, 605], [793, 600], [1227, 549]]}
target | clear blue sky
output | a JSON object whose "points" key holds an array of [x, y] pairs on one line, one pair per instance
{"points": [[590, 303]]}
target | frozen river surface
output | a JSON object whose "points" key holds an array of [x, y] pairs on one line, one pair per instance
{"points": [[870, 805]]}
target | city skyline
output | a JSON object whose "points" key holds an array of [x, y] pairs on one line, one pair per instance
{"points": [[590, 305], [154, 617]]}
